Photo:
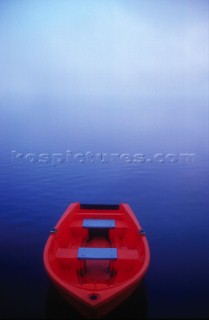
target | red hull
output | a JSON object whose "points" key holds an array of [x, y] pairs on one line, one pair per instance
{"points": [[97, 312], [95, 285]]}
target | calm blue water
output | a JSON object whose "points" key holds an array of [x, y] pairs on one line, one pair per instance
{"points": [[49, 159]]}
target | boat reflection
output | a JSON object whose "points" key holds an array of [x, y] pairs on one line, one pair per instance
{"points": [[135, 307]]}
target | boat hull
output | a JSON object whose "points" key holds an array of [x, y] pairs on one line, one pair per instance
{"points": [[117, 257], [97, 312]]}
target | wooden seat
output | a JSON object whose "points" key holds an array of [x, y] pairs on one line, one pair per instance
{"points": [[99, 223], [97, 253], [85, 254]]}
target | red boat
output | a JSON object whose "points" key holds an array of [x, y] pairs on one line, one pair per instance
{"points": [[96, 256]]}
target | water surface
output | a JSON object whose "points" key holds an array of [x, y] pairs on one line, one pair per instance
{"points": [[169, 196]]}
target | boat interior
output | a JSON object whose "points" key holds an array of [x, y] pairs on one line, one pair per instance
{"points": [[91, 249]]}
